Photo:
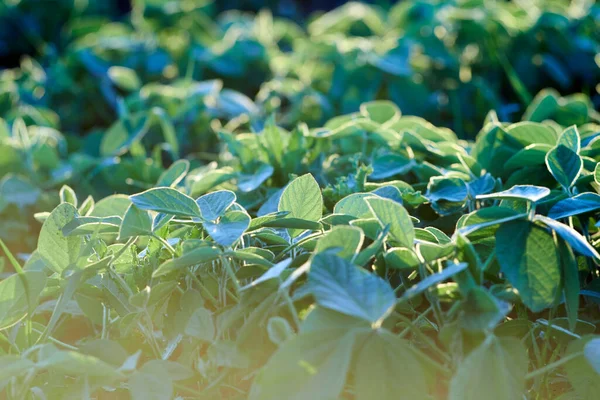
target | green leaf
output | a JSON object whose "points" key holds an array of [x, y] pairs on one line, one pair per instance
{"points": [[106, 350], [534, 154], [354, 205], [347, 239], [58, 251], [386, 368], [542, 107], [529, 259], [582, 203], [571, 236], [431, 280], [253, 255], [229, 228], [125, 78], [565, 165], [320, 319], [227, 354], [582, 374], [527, 133], [293, 223], [16, 299], [401, 258], [493, 371], [78, 364], [338, 285], [308, 366], [168, 201], [302, 198], [447, 195], [87, 206], [392, 214], [92, 225], [483, 184], [527, 192], [273, 140], [389, 192], [389, 165], [115, 205], [67, 195], [434, 251], [124, 133], [18, 191], [199, 255], [380, 111], [483, 223], [214, 205], [161, 220], [597, 174], [201, 325], [151, 382], [371, 250], [73, 282], [250, 182], [159, 115], [591, 351], [136, 222], [12, 365], [570, 139], [174, 174], [202, 182], [279, 330], [481, 311], [176, 371], [272, 273]]}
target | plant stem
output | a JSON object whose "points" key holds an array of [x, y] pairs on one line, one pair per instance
{"points": [[420, 317], [551, 366], [422, 336], [231, 274], [291, 307], [165, 243], [212, 299]]}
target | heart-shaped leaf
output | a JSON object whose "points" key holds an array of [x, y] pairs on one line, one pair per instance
{"points": [[495, 370], [529, 259], [214, 205], [302, 199], [136, 222], [392, 214], [565, 165], [340, 286], [229, 228], [168, 201]]}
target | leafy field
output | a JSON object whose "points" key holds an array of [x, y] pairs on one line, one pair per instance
{"points": [[367, 204]]}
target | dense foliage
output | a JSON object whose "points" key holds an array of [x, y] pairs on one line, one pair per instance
{"points": [[252, 208]]}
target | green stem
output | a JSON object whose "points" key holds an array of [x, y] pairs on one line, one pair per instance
{"points": [[11, 258], [552, 366], [291, 307], [166, 244], [225, 262], [437, 312], [58, 342], [420, 317], [423, 337], [212, 299]]}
